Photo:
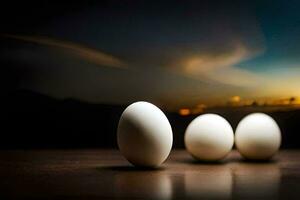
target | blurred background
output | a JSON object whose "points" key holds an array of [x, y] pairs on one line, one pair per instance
{"points": [[69, 69]]}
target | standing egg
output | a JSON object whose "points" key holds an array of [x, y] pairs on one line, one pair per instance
{"points": [[144, 135], [257, 136], [209, 137]]}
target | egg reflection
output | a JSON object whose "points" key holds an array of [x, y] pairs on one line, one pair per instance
{"points": [[257, 180], [143, 184], [214, 182]]}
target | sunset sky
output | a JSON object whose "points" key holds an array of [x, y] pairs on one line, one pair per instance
{"points": [[173, 53]]}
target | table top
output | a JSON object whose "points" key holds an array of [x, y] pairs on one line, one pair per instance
{"points": [[105, 174]]}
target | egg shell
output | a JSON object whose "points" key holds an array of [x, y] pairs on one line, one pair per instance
{"points": [[144, 135], [257, 136], [209, 137]]}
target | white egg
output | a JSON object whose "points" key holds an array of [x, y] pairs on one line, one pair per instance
{"points": [[144, 135], [257, 136], [209, 137]]}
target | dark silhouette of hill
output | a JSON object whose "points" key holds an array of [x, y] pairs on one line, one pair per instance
{"points": [[32, 120]]}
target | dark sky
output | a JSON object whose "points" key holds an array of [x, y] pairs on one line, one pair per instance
{"points": [[172, 53]]}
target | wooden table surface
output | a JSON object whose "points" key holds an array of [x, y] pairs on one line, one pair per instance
{"points": [[105, 174]]}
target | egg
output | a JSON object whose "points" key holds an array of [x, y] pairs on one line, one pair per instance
{"points": [[209, 137], [144, 135], [257, 136]]}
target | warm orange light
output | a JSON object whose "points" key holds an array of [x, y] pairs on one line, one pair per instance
{"points": [[296, 101], [235, 99], [184, 111]]}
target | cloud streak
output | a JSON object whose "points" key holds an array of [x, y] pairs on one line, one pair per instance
{"points": [[221, 66], [85, 53]]}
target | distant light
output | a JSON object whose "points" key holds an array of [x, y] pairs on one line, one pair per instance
{"points": [[184, 111], [235, 99]]}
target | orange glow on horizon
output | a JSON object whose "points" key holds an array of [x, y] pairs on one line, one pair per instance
{"points": [[235, 99], [184, 111]]}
